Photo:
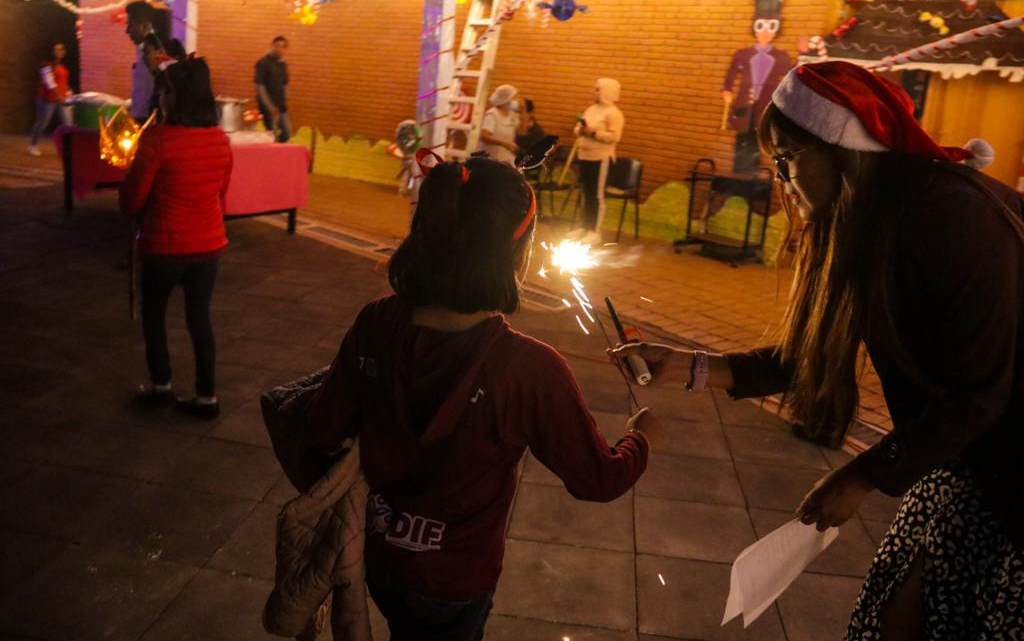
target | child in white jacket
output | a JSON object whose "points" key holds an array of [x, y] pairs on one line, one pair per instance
{"points": [[598, 131]]}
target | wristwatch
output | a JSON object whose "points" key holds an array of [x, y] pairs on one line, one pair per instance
{"points": [[699, 371]]}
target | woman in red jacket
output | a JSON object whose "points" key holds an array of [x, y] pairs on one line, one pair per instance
{"points": [[175, 188], [446, 397]]}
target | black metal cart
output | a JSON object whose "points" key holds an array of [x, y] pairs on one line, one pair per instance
{"points": [[708, 192]]}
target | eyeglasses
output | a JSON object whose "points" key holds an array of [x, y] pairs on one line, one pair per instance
{"points": [[782, 164], [770, 25]]}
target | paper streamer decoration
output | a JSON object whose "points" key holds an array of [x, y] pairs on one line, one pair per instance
{"points": [[437, 43], [945, 44], [73, 8], [503, 17]]}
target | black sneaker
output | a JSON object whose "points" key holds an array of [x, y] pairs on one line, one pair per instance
{"points": [[191, 406], [150, 397]]}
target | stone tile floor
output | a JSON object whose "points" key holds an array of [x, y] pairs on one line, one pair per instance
{"points": [[118, 524]]}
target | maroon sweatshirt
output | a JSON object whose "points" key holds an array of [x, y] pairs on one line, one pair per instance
{"points": [[443, 419]]}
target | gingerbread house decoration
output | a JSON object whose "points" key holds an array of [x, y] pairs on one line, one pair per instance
{"points": [[881, 28]]}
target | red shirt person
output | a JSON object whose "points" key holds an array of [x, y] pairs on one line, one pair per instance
{"points": [[446, 397], [53, 91]]}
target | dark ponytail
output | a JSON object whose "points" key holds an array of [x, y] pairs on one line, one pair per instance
{"points": [[460, 252], [193, 105]]}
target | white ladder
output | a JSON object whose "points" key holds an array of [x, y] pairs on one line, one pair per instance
{"points": [[472, 74]]}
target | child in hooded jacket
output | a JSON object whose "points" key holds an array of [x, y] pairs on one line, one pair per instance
{"points": [[446, 397]]}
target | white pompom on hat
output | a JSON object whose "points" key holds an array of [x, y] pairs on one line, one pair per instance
{"points": [[982, 153], [848, 106]]}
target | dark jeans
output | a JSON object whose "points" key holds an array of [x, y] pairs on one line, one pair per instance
{"points": [[593, 193], [197, 278], [44, 115], [747, 154], [413, 617], [283, 125]]}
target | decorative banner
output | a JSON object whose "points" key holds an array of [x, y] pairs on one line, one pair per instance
{"points": [[503, 17], [945, 44], [73, 8], [437, 43]]}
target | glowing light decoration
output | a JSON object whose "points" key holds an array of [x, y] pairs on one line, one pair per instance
{"points": [[119, 138], [306, 11]]}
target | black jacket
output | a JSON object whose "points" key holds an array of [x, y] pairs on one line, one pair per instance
{"points": [[958, 304]]}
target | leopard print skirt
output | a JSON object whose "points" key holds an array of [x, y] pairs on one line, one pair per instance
{"points": [[972, 577]]}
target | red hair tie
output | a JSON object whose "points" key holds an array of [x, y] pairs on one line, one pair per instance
{"points": [[523, 226], [423, 154]]}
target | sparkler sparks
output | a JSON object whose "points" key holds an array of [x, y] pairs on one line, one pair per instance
{"points": [[646, 300], [571, 256], [661, 578]]}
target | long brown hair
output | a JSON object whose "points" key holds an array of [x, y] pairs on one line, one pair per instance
{"points": [[844, 270]]}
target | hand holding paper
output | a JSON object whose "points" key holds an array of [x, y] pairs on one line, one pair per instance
{"points": [[763, 571]]}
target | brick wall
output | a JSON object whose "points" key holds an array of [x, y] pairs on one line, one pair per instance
{"points": [[107, 53], [354, 71], [670, 56], [30, 29]]}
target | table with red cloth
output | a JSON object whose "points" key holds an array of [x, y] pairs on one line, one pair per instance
{"points": [[266, 178]]}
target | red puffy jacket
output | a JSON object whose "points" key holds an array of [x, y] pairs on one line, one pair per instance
{"points": [[176, 184]]}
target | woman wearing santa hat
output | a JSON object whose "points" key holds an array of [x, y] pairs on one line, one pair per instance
{"points": [[920, 259]]}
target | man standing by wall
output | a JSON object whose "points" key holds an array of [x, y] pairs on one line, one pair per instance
{"points": [[271, 84], [760, 68], [143, 20]]}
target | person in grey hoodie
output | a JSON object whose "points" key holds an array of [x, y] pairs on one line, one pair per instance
{"points": [[598, 131]]}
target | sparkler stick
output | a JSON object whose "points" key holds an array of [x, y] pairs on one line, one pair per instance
{"points": [[618, 365], [636, 364], [571, 257]]}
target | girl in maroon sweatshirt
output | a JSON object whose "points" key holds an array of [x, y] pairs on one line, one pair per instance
{"points": [[446, 397]]}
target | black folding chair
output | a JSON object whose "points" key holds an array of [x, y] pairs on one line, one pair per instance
{"points": [[623, 183], [546, 179]]}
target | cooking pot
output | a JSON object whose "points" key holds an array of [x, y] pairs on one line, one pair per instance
{"points": [[229, 111]]}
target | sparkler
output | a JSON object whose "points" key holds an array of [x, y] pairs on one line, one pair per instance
{"points": [[571, 257]]}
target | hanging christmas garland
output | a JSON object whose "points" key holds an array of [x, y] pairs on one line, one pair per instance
{"points": [[73, 8]]}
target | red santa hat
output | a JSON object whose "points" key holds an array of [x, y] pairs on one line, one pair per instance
{"points": [[847, 105]]}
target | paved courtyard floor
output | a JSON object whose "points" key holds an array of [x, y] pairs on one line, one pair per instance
{"points": [[120, 524]]}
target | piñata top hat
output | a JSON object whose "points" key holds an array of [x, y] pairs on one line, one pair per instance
{"points": [[767, 8]]}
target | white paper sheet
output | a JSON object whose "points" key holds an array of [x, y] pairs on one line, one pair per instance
{"points": [[762, 572]]}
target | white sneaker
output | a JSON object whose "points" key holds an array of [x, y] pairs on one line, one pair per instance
{"points": [[591, 238], [33, 150]]}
